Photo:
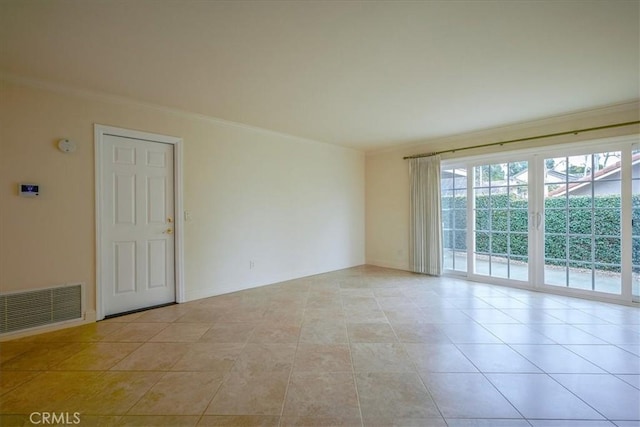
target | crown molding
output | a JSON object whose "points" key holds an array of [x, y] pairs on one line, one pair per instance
{"points": [[492, 133], [122, 100]]}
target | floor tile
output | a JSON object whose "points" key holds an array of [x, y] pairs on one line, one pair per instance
{"points": [[574, 316], [612, 334], [114, 392], [181, 332], [496, 358], [239, 421], [243, 393], [443, 315], [608, 357], [404, 422], [612, 397], [152, 357], [320, 422], [165, 314], [631, 348], [275, 333], [11, 349], [50, 389], [318, 351], [43, 357], [179, 393], [420, 333], [158, 420], [321, 395], [556, 359], [229, 332], [469, 334], [135, 332], [570, 423], [438, 358], [323, 358], [552, 401], [567, 334], [86, 333], [486, 316], [380, 357], [531, 316], [259, 358], [213, 357], [453, 422], [394, 395], [370, 332], [634, 380], [12, 379], [97, 357], [481, 399], [518, 334], [324, 332]]}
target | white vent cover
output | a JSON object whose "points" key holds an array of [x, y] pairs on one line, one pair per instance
{"points": [[30, 309]]}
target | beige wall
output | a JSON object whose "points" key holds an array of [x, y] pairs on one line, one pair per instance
{"points": [[387, 174], [294, 207]]}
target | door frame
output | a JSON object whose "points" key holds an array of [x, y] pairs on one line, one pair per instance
{"points": [[99, 132]]}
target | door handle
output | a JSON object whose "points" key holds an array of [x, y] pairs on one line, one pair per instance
{"points": [[168, 231]]}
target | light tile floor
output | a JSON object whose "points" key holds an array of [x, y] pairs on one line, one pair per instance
{"points": [[364, 346]]}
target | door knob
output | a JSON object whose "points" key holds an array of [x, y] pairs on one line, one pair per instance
{"points": [[169, 231]]}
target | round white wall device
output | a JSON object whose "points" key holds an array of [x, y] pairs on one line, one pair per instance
{"points": [[66, 146]]}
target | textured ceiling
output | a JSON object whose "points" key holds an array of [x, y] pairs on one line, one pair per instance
{"points": [[366, 75]]}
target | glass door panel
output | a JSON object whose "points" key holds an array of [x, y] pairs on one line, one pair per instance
{"points": [[501, 220], [582, 213], [454, 218], [635, 205]]}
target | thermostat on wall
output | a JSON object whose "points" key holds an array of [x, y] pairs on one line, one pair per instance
{"points": [[28, 190]]}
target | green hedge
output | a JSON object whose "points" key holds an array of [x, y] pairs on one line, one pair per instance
{"points": [[509, 213]]}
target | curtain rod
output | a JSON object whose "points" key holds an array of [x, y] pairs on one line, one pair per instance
{"points": [[549, 135]]}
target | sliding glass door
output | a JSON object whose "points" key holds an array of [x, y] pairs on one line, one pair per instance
{"points": [[454, 218], [582, 211], [565, 220], [635, 221], [500, 229]]}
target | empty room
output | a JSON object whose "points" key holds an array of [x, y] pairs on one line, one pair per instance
{"points": [[320, 213]]}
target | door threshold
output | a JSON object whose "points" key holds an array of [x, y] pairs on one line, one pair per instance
{"points": [[138, 310]]}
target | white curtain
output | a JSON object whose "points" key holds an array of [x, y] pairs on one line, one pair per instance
{"points": [[425, 251]]}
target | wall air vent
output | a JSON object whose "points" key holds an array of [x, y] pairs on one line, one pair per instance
{"points": [[31, 309]]}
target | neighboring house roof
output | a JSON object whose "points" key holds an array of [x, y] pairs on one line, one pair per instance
{"points": [[587, 180]]}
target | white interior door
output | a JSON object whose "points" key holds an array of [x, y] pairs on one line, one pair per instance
{"points": [[137, 231]]}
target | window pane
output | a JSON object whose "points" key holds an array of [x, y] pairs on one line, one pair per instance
{"points": [[499, 245], [482, 242], [578, 167], [459, 219], [608, 279], [555, 247], [518, 220], [581, 275], [519, 244], [577, 200], [499, 220], [460, 241], [607, 250], [482, 219], [580, 249], [580, 221], [607, 222], [460, 199], [555, 221]]}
